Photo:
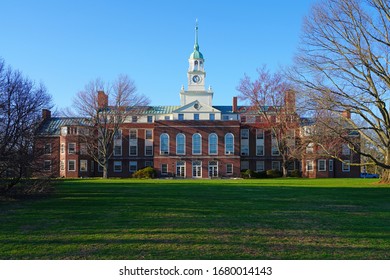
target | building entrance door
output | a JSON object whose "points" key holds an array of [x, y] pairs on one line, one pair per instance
{"points": [[213, 169], [197, 169]]}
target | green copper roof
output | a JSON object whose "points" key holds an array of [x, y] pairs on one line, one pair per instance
{"points": [[196, 54]]}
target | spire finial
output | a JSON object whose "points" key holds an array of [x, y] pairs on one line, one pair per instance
{"points": [[196, 46]]}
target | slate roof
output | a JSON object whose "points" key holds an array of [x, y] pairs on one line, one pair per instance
{"points": [[53, 126]]}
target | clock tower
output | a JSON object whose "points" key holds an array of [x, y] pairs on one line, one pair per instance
{"points": [[196, 78]]}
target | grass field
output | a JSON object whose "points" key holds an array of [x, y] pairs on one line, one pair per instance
{"points": [[201, 219]]}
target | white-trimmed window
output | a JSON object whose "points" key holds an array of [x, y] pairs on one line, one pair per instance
{"points": [[259, 142], [260, 166], [149, 134], [71, 165], [212, 117], [164, 144], [180, 117], [117, 166], [47, 149], [148, 163], [47, 165], [197, 169], [229, 144], [321, 165], [148, 142], [346, 151], [149, 119], [229, 168], [213, 144], [244, 165], [196, 144], [180, 144], [275, 165], [133, 142], [244, 142], [148, 150], [310, 148], [309, 165], [196, 117], [71, 148], [346, 167], [83, 165], [132, 166], [181, 169], [164, 169]]}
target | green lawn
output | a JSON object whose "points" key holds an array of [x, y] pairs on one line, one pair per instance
{"points": [[201, 219]]}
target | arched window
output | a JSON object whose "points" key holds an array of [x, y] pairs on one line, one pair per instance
{"points": [[229, 144], [164, 144], [180, 144], [196, 144], [196, 65], [213, 144]]}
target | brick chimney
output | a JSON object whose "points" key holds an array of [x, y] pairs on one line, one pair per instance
{"points": [[346, 114], [289, 101], [234, 108], [46, 114], [102, 99]]}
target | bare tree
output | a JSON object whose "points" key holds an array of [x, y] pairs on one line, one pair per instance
{"points": [[105, 107], [343, 65], [272, 98], [21, 103]]}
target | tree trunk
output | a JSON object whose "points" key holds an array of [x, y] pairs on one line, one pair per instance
{"points": [[285, 173], [385, 179], [105, 170]]}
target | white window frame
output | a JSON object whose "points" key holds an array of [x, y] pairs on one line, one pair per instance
{"points": [[309, 161], [260, 163], [183, 152], [323, 161], [162, 169], [344, 164], [74, 163], [196, 152], [74, 148], [82, 162], [117, 163], [277, 163], [229, 151], [133, 142], [131, 164], [216, 144], [229, 166], [165, 151]]}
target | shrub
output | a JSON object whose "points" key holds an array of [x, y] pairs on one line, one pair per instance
{"points": [[145, 173], [295, 173], [272, 173], [248, 174]]}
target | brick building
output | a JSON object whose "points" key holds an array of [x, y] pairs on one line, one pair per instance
{"points": [[194, 140]]}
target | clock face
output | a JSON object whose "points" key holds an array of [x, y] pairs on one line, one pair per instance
{"points": [[196, 79]]}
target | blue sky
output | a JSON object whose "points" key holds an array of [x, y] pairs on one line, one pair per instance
{"points": [[65, 44]]}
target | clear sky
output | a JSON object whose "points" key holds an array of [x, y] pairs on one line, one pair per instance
{"points": [[67, 43]]}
